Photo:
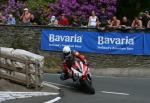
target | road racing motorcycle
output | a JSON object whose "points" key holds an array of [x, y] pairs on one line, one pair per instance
{"points": [[81, 74]]}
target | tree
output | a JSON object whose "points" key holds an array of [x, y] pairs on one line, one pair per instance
{"points": [[132, 8]]}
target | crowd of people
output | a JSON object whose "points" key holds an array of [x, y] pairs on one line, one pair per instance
{"points": [[25, 19], [94, 21]]}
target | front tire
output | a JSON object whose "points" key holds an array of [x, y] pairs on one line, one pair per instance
{"points": [[87, 85]]}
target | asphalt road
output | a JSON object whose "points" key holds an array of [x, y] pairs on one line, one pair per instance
{"points": [[108, 90]]}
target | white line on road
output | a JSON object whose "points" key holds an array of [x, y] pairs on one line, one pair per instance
{"points": [[117, 93], [16, 95], [50, 85], [57, 84], [51, 74], [29, 93], [53, 100]]}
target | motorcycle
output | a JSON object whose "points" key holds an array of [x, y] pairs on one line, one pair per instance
{"points": [[82, 74]]}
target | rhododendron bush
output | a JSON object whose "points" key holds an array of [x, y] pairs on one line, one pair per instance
{"points": [[11, 6], [82, 7]]}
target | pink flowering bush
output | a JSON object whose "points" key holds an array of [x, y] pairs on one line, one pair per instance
{"points": [[82, 7], [12, 6]]}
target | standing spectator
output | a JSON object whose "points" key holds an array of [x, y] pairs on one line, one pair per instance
{"points": [[53, 21], [83, 21], [103, 18], [145, 18], [11, 20], [147, 14], [148, 24], [137, 23], [26, 17], [63, 21], [114, 23], [93, 20], [125, 22], [75, 21], [2, 19]]}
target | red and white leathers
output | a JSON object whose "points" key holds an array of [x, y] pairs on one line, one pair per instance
{"points": [[68, 62]]}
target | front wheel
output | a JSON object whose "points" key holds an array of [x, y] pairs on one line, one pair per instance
{"points": [[87, 85]]}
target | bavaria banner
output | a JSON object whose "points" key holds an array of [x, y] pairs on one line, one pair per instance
{"points": [[94, 42], [147, 44]]}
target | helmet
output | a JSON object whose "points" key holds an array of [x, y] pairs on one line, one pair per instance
{"points": [[66, 51]]}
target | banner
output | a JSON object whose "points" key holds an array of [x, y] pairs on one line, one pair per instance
{"points": [[94, 42], [147, 44]]}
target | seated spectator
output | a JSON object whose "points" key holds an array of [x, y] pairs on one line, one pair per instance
{"points": [[137, 23], [26, 17], [148, 24], [114, 23], [125, 22], [2, 19], [53, 21], [63, 21], [11, 20], [103, 18], [93, 20]]}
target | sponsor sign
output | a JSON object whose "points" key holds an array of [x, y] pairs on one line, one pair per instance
{"points": [[96, 42]]}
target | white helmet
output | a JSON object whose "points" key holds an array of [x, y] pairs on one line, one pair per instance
{"points": [[66, 50]]}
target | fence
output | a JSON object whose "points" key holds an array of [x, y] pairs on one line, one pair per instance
{"points": [[24, 74]]}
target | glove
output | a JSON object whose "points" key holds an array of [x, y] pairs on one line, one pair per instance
{"points": [[85, 63]]}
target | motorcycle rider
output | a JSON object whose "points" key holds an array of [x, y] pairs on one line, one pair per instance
{"points": [[68, 61]]}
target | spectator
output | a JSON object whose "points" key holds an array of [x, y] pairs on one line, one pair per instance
{"points": [[26, 17], [83, 21], [125, 22], [53, 21], [11, 20], [114, 23], [63, 21], [137, 23], [2, 19], [103, 18], [148, 24], [75, 21], [145, 18], [93, 20], [147, 14]]}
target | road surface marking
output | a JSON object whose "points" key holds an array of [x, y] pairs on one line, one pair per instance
{"points": [[51, 74], [50, 85], [53, 100], [57, 84], [16, 95], [117, 93]]}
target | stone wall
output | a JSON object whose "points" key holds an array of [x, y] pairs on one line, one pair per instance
{"points": [[28, 38]]}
